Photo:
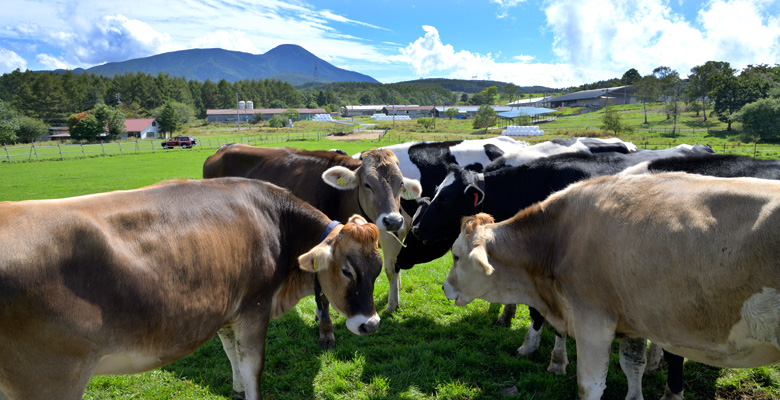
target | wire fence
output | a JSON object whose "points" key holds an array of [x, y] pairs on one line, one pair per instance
{"points": [[61, 151]]}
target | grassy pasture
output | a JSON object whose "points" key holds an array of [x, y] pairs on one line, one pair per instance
{"points": [[428, 349]]}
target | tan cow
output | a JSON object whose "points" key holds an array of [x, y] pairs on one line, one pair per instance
{"points": [[335, 184], [689, 262], [128, 281]]}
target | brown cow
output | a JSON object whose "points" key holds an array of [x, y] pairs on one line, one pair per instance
{"points": [[337, 185], [687, 261], [128, 281]]}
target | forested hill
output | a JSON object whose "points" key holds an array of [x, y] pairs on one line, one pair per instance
{"points": [[474, 86], [289, 63]]}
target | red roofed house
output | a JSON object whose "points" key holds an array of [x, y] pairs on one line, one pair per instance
{"points": [[142, 128]]}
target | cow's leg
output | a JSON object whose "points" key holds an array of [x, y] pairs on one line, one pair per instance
{"points": [[654, 356], [674, 377], [633, 361], [391, 245], [228, 338], [506, 317], [327, 339], [559, 360], [250, 332], [593, 346], [534, 334]]}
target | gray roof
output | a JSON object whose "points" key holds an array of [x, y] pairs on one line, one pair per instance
{"points": [[589, 94], [525, 111]]}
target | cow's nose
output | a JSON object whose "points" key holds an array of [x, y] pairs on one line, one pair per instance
{"points": [[369, 326], [393, 222]]}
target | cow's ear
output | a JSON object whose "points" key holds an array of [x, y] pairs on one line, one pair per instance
{"points": [[340, 178], [411, 189], [316, 259], [474, 193], [478, 256]]}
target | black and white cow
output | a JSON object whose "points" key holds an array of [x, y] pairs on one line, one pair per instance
{"points": [[502, 193], [415, 252]]}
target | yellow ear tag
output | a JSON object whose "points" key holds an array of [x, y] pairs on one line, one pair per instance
{"points": [[340, 181], [408, 195], [314, 265]]}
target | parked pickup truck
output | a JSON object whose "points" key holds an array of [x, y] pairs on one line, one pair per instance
{"points": [[184, 142]]}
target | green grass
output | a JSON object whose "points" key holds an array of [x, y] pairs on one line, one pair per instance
{"points": [[428, 349]]}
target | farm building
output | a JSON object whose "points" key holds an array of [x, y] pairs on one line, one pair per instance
{"points": [[411, 111], [142, 128], [595, 98], [532, 102], [466, 111], [246, 115], [354, 111]]}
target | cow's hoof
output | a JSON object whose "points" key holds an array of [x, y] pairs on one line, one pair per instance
{"points": [[328, 342], [671, 396], [239, 395], [557, 369], [525, 351], [503, 321]]}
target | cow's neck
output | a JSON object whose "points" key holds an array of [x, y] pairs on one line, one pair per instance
{"points": [[303, 229], [528, 263], [500, 195]]}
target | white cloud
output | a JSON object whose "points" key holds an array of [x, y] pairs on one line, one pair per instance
{"points": [[10, 61], [50, 62], [428, 56], [114, 38], [505, 5], [523, 58], [617, 35]]}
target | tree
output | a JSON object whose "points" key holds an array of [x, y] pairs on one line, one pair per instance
{"points": [[112, 119], [667, 81], [486, 117], [701, 83], [726, 95], [185, 112], [291, 114], [9, 124], [31, 129], [761, 118], [169, 120], [511, 89], [611, 120], [464, 98], [479, 99], [631, 77], [490, 92], [276, 103], [647, 92], [87, 128], [452, 112], [277, 121], [426, 122]]}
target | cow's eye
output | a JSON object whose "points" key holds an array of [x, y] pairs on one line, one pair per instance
{"points": [[347, 273], [367, 186], [455, 258]]}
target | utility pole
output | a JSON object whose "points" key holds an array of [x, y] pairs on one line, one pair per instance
{"points": [[238, 117], [393, 110]]}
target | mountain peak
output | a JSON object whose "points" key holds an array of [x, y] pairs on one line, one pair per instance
{"points": [[287, 62]]}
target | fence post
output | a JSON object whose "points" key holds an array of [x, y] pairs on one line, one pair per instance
{"points": [[36, 152], [82, 149], [60, 149], [137, 150], [102, 148], [6, 153], [152, 142], [120, 147], [755, 145]]}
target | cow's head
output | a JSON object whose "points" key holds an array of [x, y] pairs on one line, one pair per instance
{"points": [[457, 196], [380, 187], [471, 274], [347, 264]]}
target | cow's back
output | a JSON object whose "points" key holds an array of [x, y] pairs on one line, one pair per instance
{"points": [[708, 244], [144, 253], [299, 171]]}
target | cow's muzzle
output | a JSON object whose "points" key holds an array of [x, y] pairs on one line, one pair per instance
{"points": [[361, 325], [390, 222]]}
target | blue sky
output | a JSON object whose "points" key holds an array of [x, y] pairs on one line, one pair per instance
{"points": [[556, 43]]}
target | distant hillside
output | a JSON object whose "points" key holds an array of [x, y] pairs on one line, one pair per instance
{"points": [[287, 62], [474, 86]]}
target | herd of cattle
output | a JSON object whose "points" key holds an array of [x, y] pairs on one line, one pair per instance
{"points": [[601, 240]]}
